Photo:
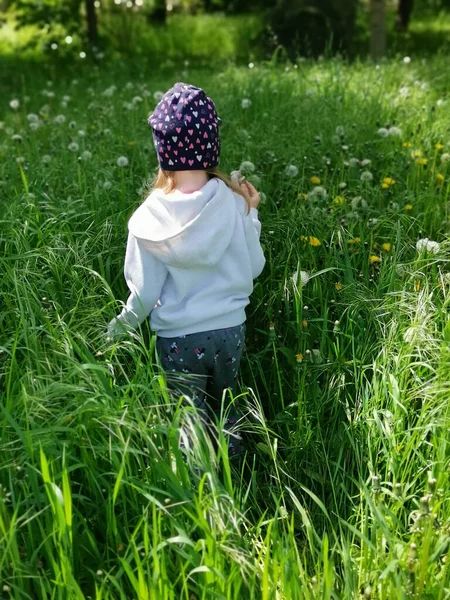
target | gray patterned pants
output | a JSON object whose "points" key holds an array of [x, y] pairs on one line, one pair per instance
{"points": [[204, 365]]}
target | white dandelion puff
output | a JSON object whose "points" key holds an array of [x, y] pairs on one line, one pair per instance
{"points": [[122, 161], [46, 159], [246, 103], [428, 246], [383, 132], [17, 138], [339, 130], [73, 147], [86, 155], [366, 162], [157, 96], [81, 133], [366, 176], [445, 157], [14, 104], [291, 171], [247, 167], [107, 185], [395, 131], [353, 162], [59, 119], [304, 277], [33, 118]]}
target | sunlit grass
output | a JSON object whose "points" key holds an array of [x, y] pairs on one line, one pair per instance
{"points": [[345, 382]]}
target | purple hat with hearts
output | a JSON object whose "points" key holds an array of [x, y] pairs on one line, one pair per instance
{"points": [[185, 130]]}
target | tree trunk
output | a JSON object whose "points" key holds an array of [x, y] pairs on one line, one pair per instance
{"points": [[159, 12], [378, 29], [91, 17]]}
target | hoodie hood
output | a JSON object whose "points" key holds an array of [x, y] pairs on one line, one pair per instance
{"points": [[187, 230]]}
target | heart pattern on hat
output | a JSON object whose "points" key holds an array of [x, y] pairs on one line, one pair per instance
{"points": [[189, 115]]}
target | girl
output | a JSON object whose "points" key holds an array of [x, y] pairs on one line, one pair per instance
{"points": [[193, 252]]}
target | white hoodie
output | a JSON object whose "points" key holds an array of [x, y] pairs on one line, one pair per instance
{"points": [[190, 261]]}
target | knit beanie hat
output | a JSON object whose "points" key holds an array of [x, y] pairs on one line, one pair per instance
{"points": [[185, 130]]}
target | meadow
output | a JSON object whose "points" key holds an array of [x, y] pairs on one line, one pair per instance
{"points": [[345, 381]]}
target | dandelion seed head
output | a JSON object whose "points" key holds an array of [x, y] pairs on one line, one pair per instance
{"points": [[246, 103], [122, 161]]}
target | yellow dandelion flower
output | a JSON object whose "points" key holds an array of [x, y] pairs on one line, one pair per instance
{"points": [[386, 247], [313, 241], [409, 207], [355, 240], [385, 186], [417, 285], [389, 180], [305, 323], [338, 286], [439, 146], [416, 154], [421, 161], [299, 357], [339, 200], [131, 144], [374, 259], [315, 180], [440, 177], [407, 144], [301, 196]]}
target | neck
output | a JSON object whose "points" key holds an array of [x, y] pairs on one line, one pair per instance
{"points": [[190, 181]]}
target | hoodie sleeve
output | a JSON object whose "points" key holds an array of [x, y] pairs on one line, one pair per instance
{"points": [[145, 276], [252, 227]]}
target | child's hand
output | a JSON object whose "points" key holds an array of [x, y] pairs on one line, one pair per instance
{"points": [[251, 193]]}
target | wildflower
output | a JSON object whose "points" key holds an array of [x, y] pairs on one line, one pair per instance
{"points": [[107, 185], [339, 200], [247, 166], [291, 171], [385, 186], [20, 160], [440, 102], [409, 207], [373, 259], [158, 96], [315, 180], [407, 60], [335, 140], [366, 176], [137, 100], [338, 286], [353, 162], [352, 241], [299, 357], [340, 130], [395, 131], [421, 161], [107, 131], [122, 161], [357, 201], [110, 91], [304, 278], [389, 180], [301, 196], [404, 92], [73, 147], [416, 154], [342, 185], [33, 118], [14, 104], [440, 177], [386, 247], [445, 157], [428, 246], [81, 133], [383, 132], [271, 326], [59, 119], [407, 144], [313, 241], [246, 103], [318, 191], [86, 155], [439, 146], [46, 159], [304, 324], [131, 144], [17, 138], [366, 162]]}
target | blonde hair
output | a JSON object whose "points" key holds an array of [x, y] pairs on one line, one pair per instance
{"points": [[165, 181]]}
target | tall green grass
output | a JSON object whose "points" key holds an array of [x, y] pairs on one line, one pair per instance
{"points": [[344, 385]]}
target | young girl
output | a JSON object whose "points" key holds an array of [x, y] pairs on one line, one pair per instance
{"points": [[193, 252]]}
